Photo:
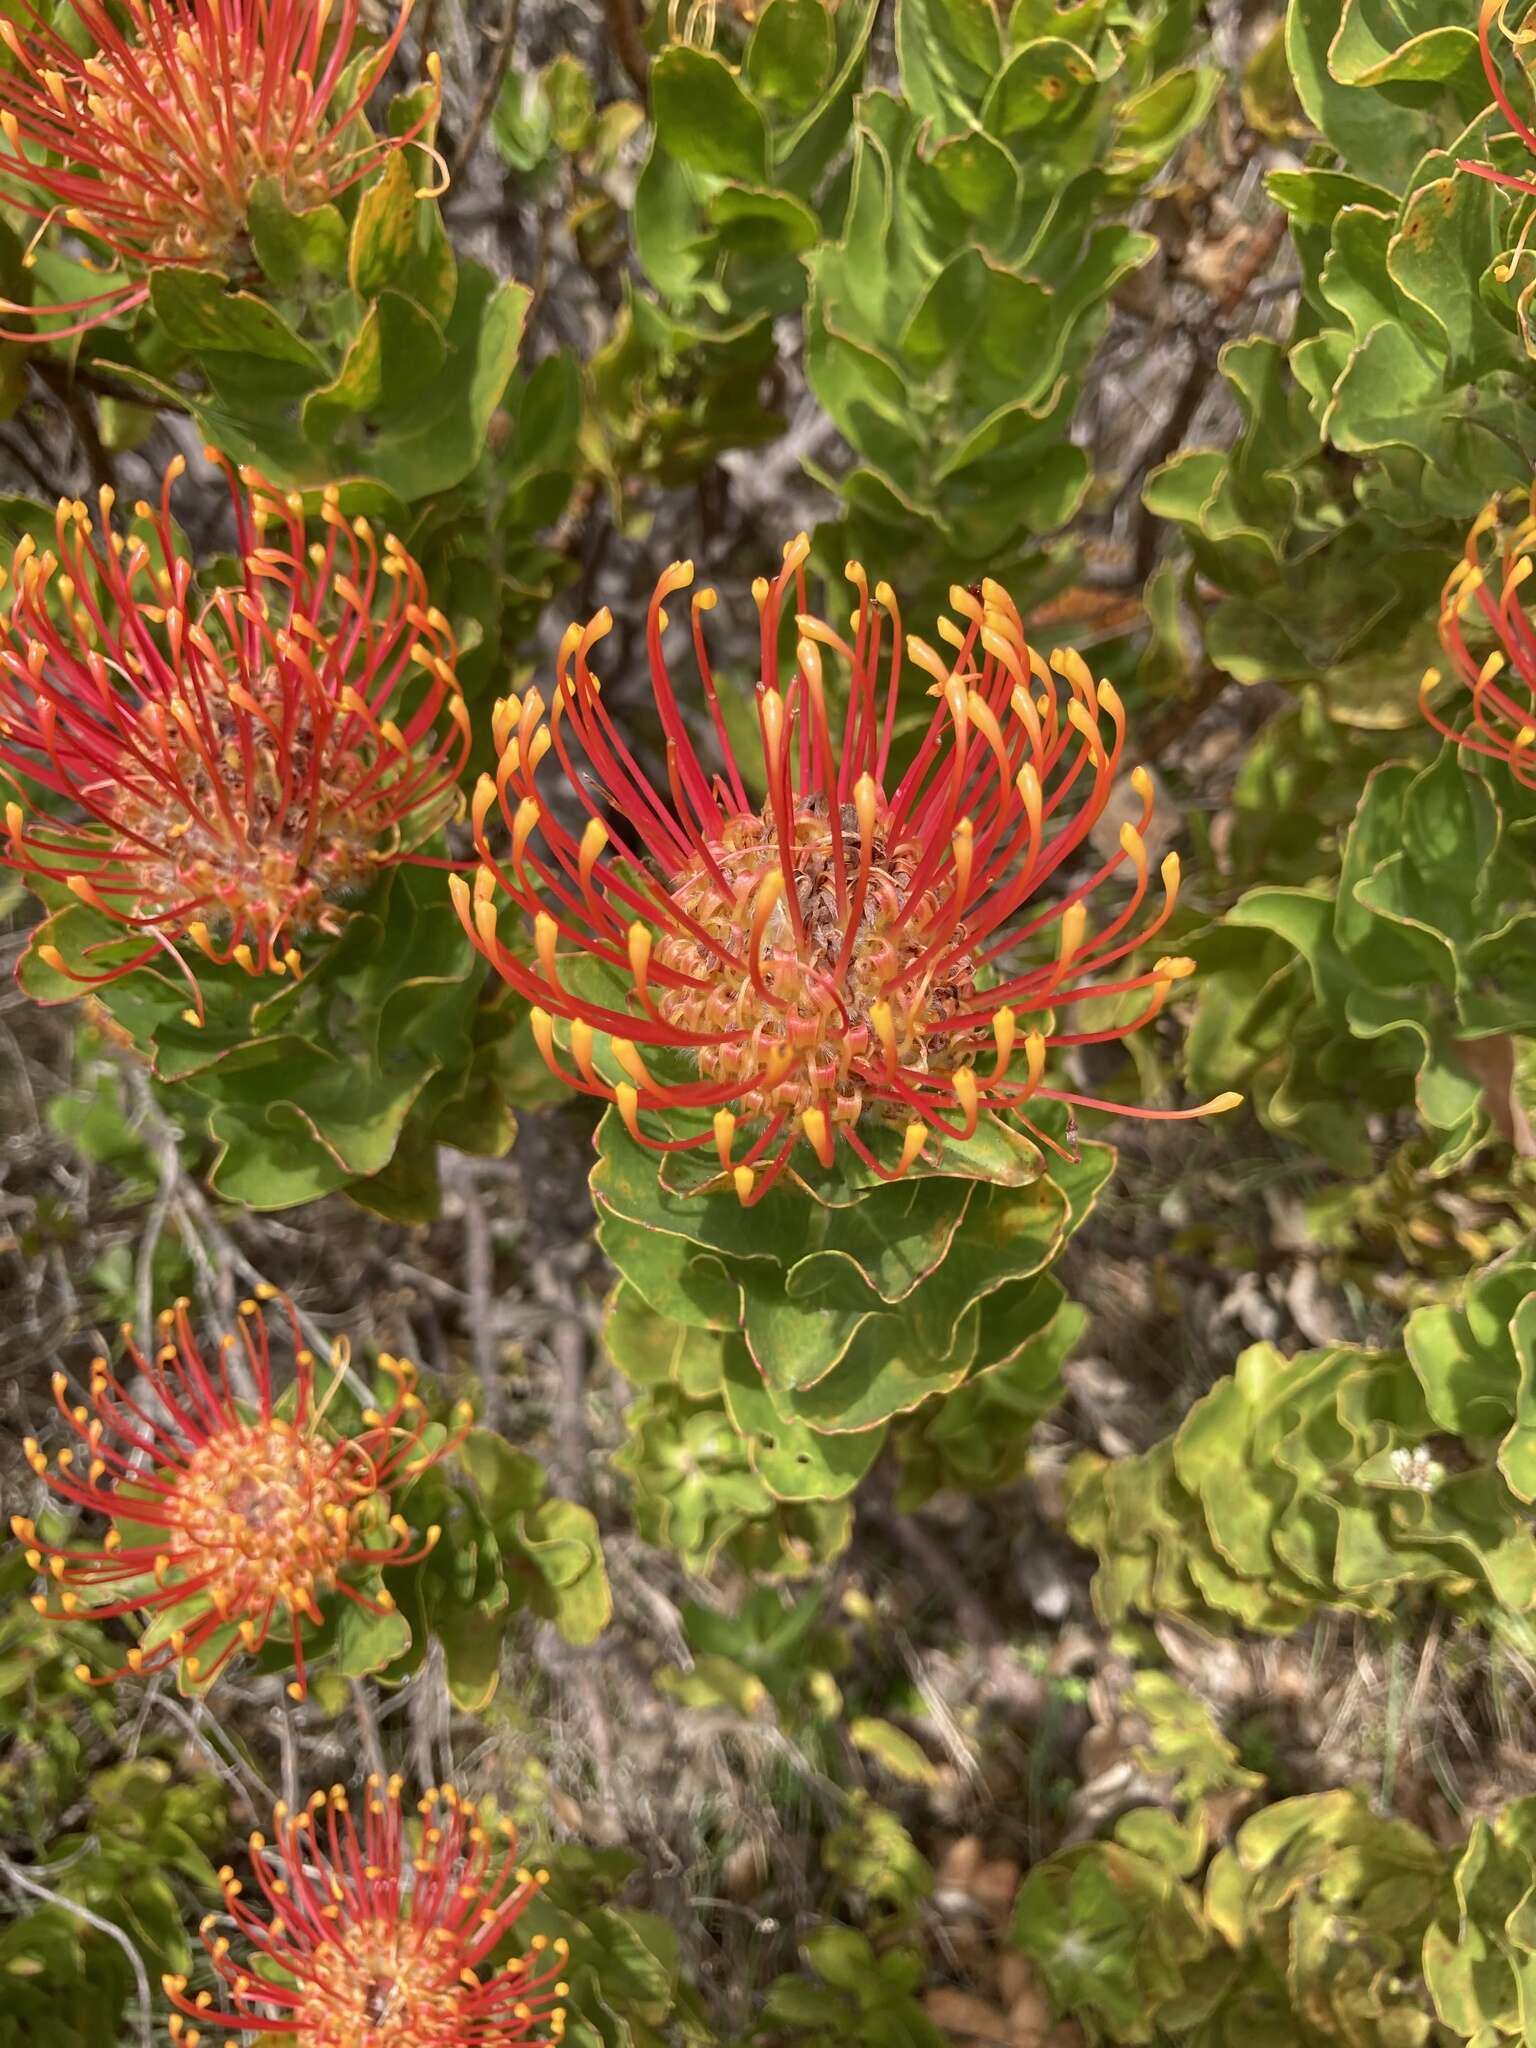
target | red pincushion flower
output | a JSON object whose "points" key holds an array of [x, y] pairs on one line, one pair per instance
{"points": [[374, 1941], [856, 947], [1501, 682], [150, 144], [241, 763], [224, 1510]]}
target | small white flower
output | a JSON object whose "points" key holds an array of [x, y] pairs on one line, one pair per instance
{"points": [[1416, 1468]]}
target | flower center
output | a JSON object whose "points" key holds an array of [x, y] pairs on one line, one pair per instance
{"points": [[235, 824], [862, 938], [264, 1509], [383, 1985], [214, 138]]}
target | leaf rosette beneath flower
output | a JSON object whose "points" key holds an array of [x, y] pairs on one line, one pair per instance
{"points": [[323, 1082]]}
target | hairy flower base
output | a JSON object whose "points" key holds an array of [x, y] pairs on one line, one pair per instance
{"points": [[828, 984], [183, 222], [862, 947], [374, 1940], [239, 767], [1485, 586], [291, 867], [223, 1513], [152, 144]]}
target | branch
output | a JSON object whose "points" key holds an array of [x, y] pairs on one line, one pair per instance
{"points": [[1187, 402], [479, 1284], [566, 1342], [367, 1727], [250, 1791], [168, 1162], [624, 34], [24, 459], [288, 1751]]}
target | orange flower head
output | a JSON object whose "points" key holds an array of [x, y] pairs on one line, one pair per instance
{"points": [[151, 143], [380, 1935], [859, 947], [228, 770], [1499, 677], [229, 1510]]}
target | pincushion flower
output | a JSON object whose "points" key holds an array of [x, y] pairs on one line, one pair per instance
{"points": [[1500, 680], [150, 144], [231, 1511], [380, 1936], [229, 769], [862, 947]]}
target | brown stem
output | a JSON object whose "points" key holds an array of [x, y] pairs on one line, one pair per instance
{"points": [[624, 34], [1255, 260]]}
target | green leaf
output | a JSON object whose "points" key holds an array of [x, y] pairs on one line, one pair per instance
{"points": [[1377, 139], [447, 432], [1270, 104], [791, 54], [368, 1643], [674, 1276], [872, 1854], [950, 51], [568, 91], [292, 246], [397, 354], [198, 311], [305, 1084], [979, 1436], [1043, 87], [384, 229], [472, 1646], [653, 1350], [793, 1462], [704, 118], [562, 1539], [894, 1750], [1417, 49], [510, 1481], [1151, 122], [715, 1682], [1445, 241]]}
